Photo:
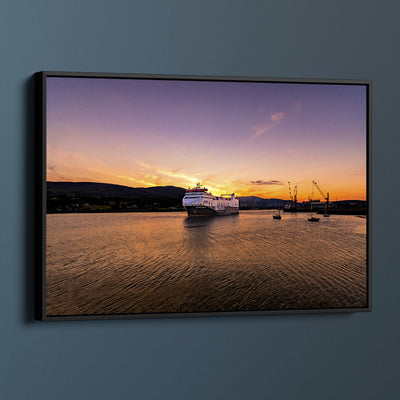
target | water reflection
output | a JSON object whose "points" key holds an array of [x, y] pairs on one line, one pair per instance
{"points": [[167, 262], [190, 222], [197, 222]]}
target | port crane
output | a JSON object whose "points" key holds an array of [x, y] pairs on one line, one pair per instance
{"points": [[293, 197], [325, 196]]}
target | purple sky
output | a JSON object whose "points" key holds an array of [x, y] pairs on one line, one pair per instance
{"points": [[249, 138]]}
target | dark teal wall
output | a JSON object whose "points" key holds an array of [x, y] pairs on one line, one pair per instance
{"points": [[313, 357]]}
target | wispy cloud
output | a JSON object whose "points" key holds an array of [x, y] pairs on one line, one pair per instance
{"points": [[276, 117], [272, 182], [157, 170], [259, 130]]}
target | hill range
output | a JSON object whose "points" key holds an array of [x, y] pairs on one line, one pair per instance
{"points": [[60, 194], [94, 189]]}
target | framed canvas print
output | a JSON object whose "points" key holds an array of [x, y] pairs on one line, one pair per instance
{"points": [[195, 195]]}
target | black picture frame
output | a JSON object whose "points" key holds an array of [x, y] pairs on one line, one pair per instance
{"points": [[41, 186]]}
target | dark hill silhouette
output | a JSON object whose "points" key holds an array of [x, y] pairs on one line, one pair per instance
{"points": [[93, 189], [105, 197]]}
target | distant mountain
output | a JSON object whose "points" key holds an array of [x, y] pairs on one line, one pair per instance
{"points": [[107, 190], [92, 189], [252, 202]]}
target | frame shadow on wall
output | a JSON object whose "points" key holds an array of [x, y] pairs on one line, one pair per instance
{"points": [[29, 197]]}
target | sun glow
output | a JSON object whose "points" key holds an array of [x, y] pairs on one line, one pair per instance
{"points": [[251, 144]]}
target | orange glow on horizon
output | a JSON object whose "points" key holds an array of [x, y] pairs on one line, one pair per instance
{"points": [[241, 189], [252, 142]]}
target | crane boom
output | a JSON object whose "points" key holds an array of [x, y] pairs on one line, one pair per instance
{"points": [[324, 195]]}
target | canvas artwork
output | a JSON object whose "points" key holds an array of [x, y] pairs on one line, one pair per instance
{"points": [[176, 196]]}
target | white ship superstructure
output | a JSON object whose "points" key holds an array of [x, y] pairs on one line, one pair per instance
{"points": [[200, 202]]}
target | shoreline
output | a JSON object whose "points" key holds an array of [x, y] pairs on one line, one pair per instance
{"points": [[341, 212]]}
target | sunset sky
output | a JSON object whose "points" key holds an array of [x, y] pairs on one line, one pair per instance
{"points": [[247, 138]]}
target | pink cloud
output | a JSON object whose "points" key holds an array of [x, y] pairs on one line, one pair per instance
{"points": [[275, 119]]}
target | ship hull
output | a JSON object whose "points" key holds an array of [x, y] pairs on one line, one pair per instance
{"points": [[203, 211]]}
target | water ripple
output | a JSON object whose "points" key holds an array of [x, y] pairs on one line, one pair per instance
{"points": [[165, 262]]}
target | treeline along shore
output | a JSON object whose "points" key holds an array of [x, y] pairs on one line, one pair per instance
{"points": [[92, 197]]}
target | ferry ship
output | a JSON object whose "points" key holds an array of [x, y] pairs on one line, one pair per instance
{"points": [[199, 202]]}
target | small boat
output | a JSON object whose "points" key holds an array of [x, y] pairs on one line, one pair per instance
{"points": [[312, 218], [277, 215]]}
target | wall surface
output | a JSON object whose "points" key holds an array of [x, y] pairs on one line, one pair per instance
{"points": [[351, 356]]}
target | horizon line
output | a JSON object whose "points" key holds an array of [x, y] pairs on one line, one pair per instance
{"points": [[148, 187]]}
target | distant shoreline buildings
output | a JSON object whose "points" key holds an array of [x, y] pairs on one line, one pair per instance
{"points": [[89, 197]]}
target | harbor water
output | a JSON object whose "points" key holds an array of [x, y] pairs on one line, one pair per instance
{"points": [[126, 263]]}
